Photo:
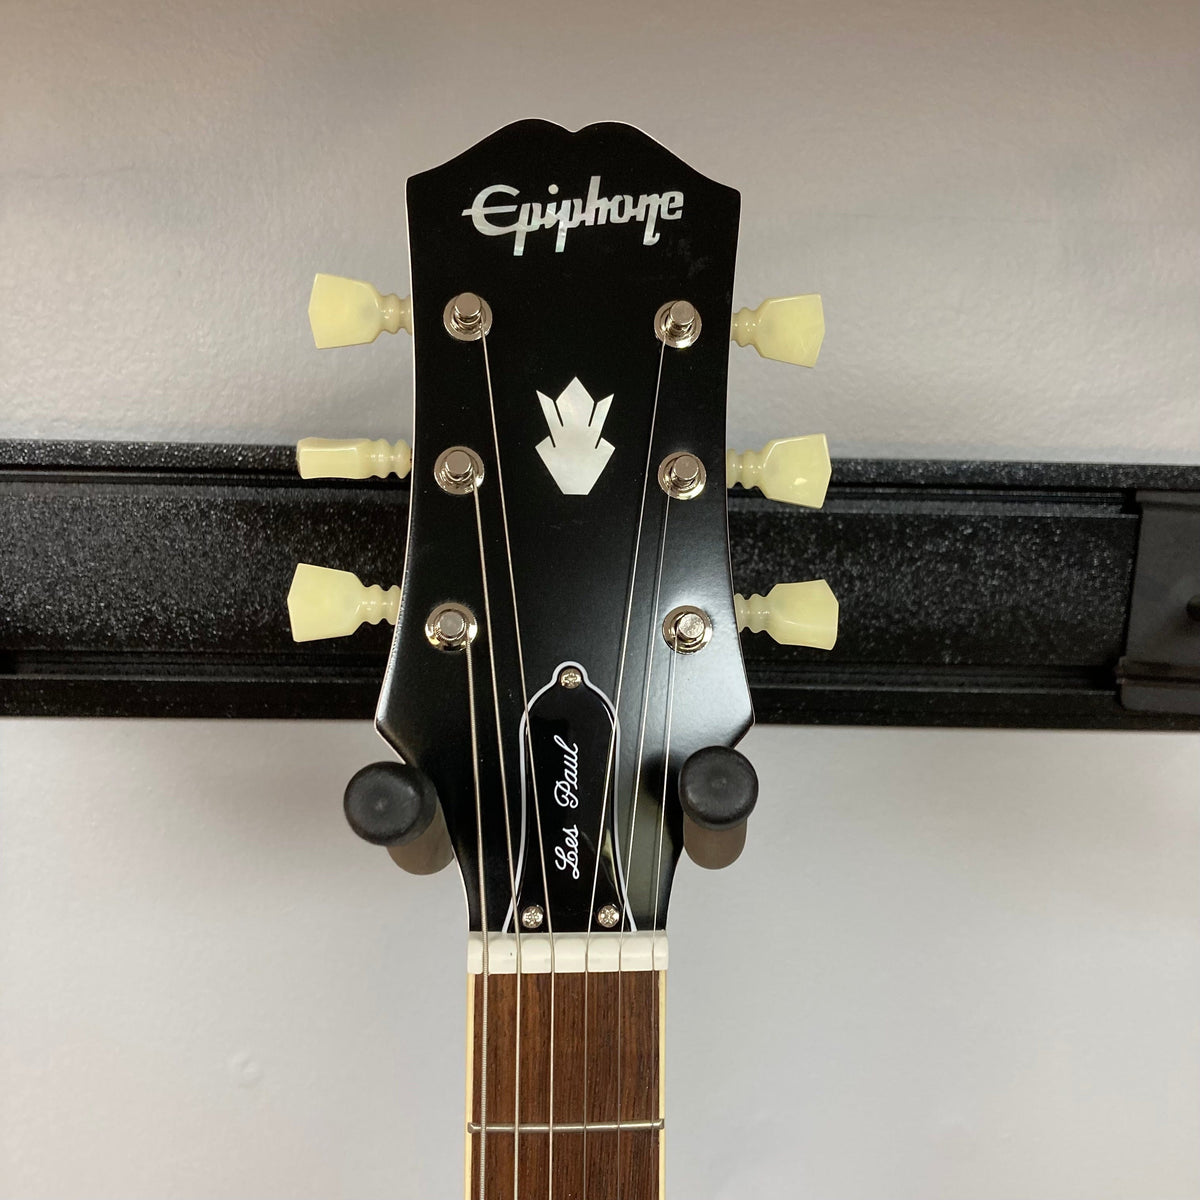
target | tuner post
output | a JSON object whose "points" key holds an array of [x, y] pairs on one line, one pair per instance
{"points": [[458, 470], [451, 627], [687, 629], [682, 476], [467, 317], [677, 324]]}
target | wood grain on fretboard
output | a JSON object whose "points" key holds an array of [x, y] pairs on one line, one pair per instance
{"points": [[623, 1061]]}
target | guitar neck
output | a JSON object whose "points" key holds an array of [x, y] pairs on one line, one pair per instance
{"points": [[565, 1079]]}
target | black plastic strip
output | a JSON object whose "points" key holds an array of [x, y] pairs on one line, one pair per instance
{"points": [[141, 579]]}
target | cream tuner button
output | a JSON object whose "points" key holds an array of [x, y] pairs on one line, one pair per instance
{"points": [[794, 614], [352, 458], [787, 328], [351, 312], [794, 470], [324, 603]]}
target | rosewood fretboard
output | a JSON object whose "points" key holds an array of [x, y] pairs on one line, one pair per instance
{"points": [[605, 1134]]}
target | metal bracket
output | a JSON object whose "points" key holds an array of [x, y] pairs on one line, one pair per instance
{"points": [[1160, 669]]}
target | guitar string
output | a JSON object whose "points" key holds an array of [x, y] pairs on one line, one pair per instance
{"points": [[483, 922], [651, 645], [609, 762], [512, 879], [662, 814], [537, 814]]}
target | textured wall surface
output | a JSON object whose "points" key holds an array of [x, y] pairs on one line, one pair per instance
{"points": [[952, 965]]}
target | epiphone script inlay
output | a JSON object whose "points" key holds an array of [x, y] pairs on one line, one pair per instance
{"points": [[567, 213]]}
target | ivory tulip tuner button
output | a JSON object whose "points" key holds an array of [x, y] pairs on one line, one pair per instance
{"points": [[324, 603], [352, 458], [794, 614], [787, 328], [793, 470], [352, 312]]}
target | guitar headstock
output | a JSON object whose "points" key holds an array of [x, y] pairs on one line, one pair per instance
{"points": [[566, 631]]}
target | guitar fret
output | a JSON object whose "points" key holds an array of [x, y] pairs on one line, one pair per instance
{"points": [[591, 1127]]}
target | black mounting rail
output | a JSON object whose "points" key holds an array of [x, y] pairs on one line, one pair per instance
{"points": [[149, 580]]}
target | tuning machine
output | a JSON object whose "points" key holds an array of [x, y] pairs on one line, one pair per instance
{"points": [[794, 614], [352, 312], [352, 458], [793, 470], [324, 603], [786, 328]]}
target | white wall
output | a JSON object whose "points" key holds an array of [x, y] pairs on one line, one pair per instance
{"points": [[959, 965]]}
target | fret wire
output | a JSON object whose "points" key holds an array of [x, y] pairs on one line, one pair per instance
{"points": [[561, 1127]]}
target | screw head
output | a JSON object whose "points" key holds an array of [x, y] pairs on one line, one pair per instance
{"points": [[608, 916], [532, 916], [571, 677]]}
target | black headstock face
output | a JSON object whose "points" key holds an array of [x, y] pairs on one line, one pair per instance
{"points": [[555, 736]]}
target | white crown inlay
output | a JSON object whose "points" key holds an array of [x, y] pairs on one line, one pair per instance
{"points": [[575, 453]]}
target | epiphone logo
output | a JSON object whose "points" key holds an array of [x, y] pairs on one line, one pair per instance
{"points": [[569, 212]]}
